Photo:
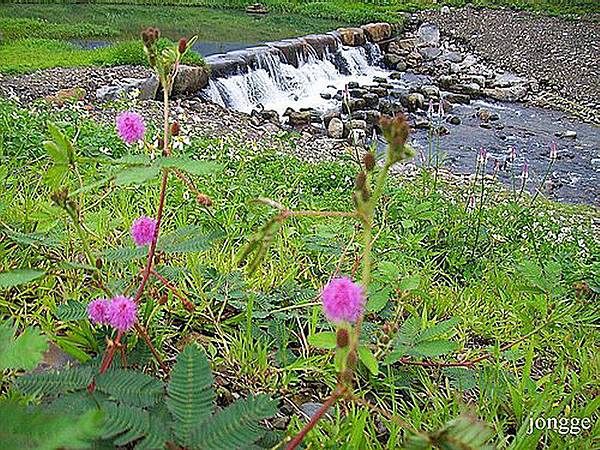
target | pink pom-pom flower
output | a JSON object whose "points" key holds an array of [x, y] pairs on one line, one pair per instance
{"points": [[130, 127], [343, 300], [98, 311], [122, 313], [142, 230]]}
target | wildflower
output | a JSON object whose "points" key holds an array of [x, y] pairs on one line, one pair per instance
{"points": [[525, 171], [512, 155], [122, 313], [471, 203], [343, 300], [342, 338], [142, 230], [97, 311], [553, 151], [130, 127], [483, 155], [175, 129], [430, 110]]}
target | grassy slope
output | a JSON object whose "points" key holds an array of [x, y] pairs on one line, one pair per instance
{"points": [[552, 374]]}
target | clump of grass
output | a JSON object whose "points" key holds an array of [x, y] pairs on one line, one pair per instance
{"points": [[33, 28]]}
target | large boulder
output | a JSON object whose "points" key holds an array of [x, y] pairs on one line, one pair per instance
{"points": [[352, 37], [335, 129], [189, 80], [146, 88], [377, 32], [298, 118], [508, 94], [428, 34]]}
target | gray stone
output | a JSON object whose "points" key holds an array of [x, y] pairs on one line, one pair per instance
{"points": [[189, 80], [357, 124], [457, 98], [430, 53], [428, 34], [508, 94], [415, 101], [325, 95], [371, 100], [147, 88], [454, 120], [421, 123], [335, 128], [377, 32], [445, 10], [451, 57], [429, 90], [299, 118], [391, 60]]}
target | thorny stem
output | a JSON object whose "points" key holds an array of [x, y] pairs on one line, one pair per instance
{"points": [[335, 395]]}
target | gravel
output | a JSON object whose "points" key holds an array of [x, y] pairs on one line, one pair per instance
{"points": [[562, 54], [48, 82]]}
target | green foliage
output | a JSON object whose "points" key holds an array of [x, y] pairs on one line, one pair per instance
{"points": [[463, 433], [190, 398], [22, 352], [412, 341], [19, 276], [24, 428]]}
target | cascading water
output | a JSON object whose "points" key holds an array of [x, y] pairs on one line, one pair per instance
{"points": [[276, 84]]}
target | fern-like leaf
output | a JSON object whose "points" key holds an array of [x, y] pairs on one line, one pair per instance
{"points": [[130, 387], [52, 384], [126, 423], [71, 310], [235, 427], [190, 397], [24, 352]]}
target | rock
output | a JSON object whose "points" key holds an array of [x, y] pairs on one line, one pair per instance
{"points": [[451, 57], [389, 108], [360, 115], [66, 96], [299, 118], [430, 53], [479, 79], [335, 128], [414, 59], [357, 92], [457, 98], [445, 10], [147, 87], [257, 8], [445, 81], [401, 66], [421, 123], [484, 115], [508, 94], [377, 32], [379, 91], [391, 60], [428, 34], [357, 124], [406, 44], [379, 80], [396, 75], [352, 37], [472, 89], [506, 80], [486, 125], [395, 49], [415, 101], [325, 95], [189, 80], [354, 104], [372, 117], [454, 120], [327, 117], [569, 134], [353, 85], [494, 117], [371, 100], [429, 90]]}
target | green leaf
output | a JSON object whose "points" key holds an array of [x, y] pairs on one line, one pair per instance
{"points": [[62, 142], [378, 297], [130, 387], [125, 254], [71, 310], [326, 340], [24, 352], [25, 428], [58, 154], [389, 270], [367, 357], [19, 276], [410, 283], [235, 427], [439, 329], [464, 433], [190, 397], [53, 384], [434, 348], [136, 175], [192, 166]]}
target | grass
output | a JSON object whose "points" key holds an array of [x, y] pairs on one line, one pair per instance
{"points": [[493, 284]]}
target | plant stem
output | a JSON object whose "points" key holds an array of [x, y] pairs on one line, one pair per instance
{"points": [[186, 303], [142, 332], [335, 395]]}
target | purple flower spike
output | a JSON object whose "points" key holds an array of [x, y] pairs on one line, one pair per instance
{"points": [[97, 311], [142, 230], [130, 127], [343, 300], [122, 313]]}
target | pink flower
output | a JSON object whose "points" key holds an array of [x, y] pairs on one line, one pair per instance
{"points": [[130, 127], [122, 313], [142, 230], [97, 311], [343, 300]]}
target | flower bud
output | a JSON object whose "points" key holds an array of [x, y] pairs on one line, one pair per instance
{"points": [[369, 161], [163, 299], [182, 46], [360, 182], [99, 263], [204, 200], [342, 338], [175, 129], [396, 130]]}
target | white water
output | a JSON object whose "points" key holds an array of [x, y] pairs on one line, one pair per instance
{"points": [[277, 85]]}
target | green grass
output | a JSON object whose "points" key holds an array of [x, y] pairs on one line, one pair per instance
{"points": [[488, 283]]}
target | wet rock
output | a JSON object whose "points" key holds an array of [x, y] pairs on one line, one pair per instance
{"points": [[430, 53], [379, 80], [380, 91], [353, 85], [371, 100], [299, 118], [389, 108], [414, 59], [357, 124], [456, 98], [445, 10], [377, 32], [391, 60], [335, 128], [428, 34], [396, 75], [401, 66], [569, 134], [147, 87], [359, 115], [372, 117], [352, 37], [415, 101], [454, 120], [486, 125], [472, 89], [325, 95], [395, 49], [406, 44], [357, 92], [327, 117], [508, 94], [421, 123], [429, 90], [484, 115], [354, 104], [451, 57]]}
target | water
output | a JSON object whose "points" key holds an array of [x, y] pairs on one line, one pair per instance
{"points": [[276, 85]]}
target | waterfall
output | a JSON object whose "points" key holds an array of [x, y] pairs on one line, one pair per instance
{"points": [[274, 83]]}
